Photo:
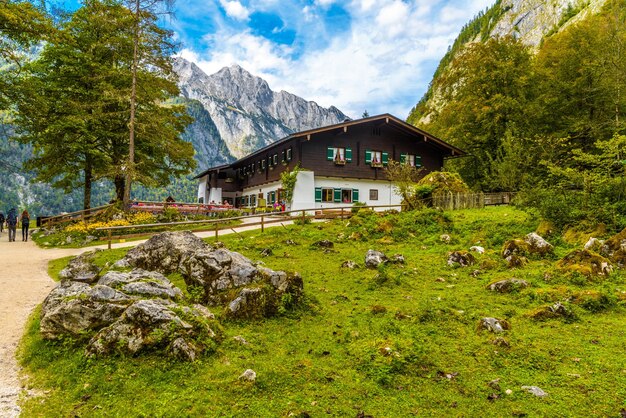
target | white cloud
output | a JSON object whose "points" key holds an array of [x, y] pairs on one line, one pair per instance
{"points": [[383, 63], [235, 9]]}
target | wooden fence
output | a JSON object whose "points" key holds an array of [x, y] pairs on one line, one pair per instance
{"points": [[455, 201], [119, 232]]}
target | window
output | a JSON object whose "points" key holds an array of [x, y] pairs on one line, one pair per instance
{"points": [[263, 164], [373, 194], [411, 159], [327, 195], [323, 194], [253, 200], [339, 155], [289, 154], [275, 159], [376, 158]]}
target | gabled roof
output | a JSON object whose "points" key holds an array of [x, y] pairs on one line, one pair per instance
{"points": [[388, 118]]}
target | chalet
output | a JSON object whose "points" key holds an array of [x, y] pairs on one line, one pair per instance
{"points": [[341, 164]]}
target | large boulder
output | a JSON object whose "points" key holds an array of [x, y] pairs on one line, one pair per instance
{"points": [[184, 332], [75, 309], [538, 245], [586, 263], [246, 290], [81, 268], [142, 283], [164, 252]]}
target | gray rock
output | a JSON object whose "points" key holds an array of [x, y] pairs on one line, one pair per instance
{"points": [[537, 244], [142, 283], [165, 251], [81, 269], [478, 249], [266, 252], [249, 303], [249, 375], [74, 309], [219, 272], [397, 259], [493, 325], [349, 264], [445, 238], [460, 258], [323, 244], [535, 390], [240, 340], [121, 264], [374, 258], [594, 244], [507, 285], [154, 324]]}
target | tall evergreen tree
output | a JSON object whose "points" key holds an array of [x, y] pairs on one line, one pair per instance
{"points": [[75, 107]]}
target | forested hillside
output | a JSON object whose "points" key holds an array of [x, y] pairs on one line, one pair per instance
{"points": [[547, 122]]}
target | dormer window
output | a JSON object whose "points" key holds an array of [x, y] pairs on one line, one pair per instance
{"points": [[340, 156]]}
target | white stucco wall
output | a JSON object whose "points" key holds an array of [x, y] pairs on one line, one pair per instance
{"points": [[304, 192], [386, 194], [202, 189]]}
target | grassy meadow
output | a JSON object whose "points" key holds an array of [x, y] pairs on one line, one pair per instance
{"points": [[399, 341]]}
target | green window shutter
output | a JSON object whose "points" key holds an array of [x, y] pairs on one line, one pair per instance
{"points": [[355, 195], [337, 195], [273, 197], [318, 194], [385, 158], [349, 155], [418, 161], [330, 153], [368, 156], [402, 158]]}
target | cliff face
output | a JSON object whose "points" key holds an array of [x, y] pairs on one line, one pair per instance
{"points": [[244, 111], [528, 20]]}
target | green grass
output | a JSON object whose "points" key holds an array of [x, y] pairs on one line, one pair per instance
{"points": [[378, 342]]}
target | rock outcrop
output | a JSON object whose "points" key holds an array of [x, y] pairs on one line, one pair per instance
{"points": [[141, 310], [164, 252], [81, 269]]}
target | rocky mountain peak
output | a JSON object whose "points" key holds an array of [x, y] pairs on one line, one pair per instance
{"points": [[245, 111]]}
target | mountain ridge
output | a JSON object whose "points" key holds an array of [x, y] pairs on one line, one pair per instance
{"points": [[246, 112]]}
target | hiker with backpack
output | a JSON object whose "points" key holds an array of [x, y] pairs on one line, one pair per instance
{"points": [[25, 223], [1, 222], [12, 223]]}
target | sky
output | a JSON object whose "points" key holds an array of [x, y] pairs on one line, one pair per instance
{"points": [[357, 55]]}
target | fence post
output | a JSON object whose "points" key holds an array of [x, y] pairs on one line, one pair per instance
{"points": [[342, 213], [262, 223], [109, 239]]}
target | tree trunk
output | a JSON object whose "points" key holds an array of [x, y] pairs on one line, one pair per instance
{"points": [[88, 181], [120, 183], [130, 169]]}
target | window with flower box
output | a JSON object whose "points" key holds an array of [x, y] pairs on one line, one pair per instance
{"points": [[376, 158], [339, 155]]}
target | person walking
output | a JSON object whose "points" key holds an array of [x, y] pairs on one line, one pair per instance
{"points": [[12, 223], [25, 223], [1, 222]]}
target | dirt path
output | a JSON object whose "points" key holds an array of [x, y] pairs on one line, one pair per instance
{"points": [[24, 283]]}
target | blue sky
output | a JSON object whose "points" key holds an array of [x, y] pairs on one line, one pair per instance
{"points": [[377, 55]]}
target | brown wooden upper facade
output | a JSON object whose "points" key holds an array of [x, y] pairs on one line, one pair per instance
{"points": [[353, 149]]}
